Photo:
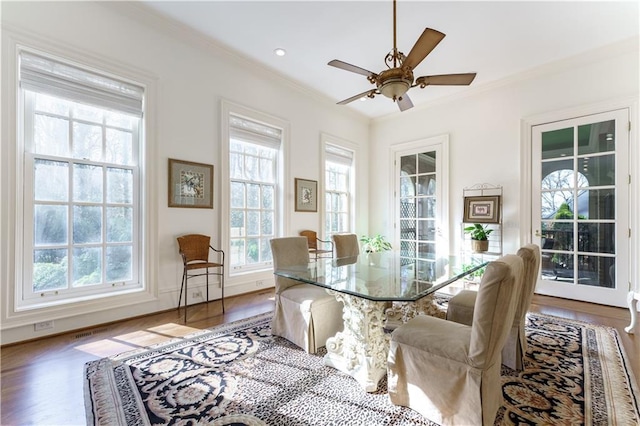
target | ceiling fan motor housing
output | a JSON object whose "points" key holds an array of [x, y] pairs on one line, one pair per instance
{"points": [[394, 82]]}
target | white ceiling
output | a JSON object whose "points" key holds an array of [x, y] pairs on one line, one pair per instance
{"points": [[494, 39]]}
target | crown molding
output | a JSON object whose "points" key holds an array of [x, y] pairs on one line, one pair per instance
{"points": [[147, 16]]}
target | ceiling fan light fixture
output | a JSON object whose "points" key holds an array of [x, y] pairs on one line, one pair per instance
{"points": [[395, 88]]}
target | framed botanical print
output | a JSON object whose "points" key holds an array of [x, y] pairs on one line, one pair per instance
{"points": [[190, 184], [306, 195], [484, 209]]}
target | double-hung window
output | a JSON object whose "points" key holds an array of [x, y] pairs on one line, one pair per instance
{"points": [[253, 172], [338, 184], [81, 139]]}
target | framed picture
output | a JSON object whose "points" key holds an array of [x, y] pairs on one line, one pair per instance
{"points": [[306, 195], [484, 209], [190, 184]]}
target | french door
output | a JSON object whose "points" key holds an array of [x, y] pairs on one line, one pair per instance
{"points": [[580, 209], [420, 204]]}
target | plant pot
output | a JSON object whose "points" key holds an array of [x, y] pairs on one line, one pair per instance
{"points": [[480, 246], [374, 258]]}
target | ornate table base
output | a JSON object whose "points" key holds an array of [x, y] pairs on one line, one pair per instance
{"points": [[361, 349]]}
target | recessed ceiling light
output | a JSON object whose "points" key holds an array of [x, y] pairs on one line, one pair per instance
{"points": [[280, 51]]}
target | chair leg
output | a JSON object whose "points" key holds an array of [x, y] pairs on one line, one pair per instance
{"points": [[222, 287], [207, 285], [184, 273]]}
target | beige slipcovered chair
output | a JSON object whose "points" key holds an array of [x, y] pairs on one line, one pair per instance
{"points": [[346, 245], [461, 308], [305, 314], [450, 372]]}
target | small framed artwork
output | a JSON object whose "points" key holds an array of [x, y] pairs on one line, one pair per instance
{"points": [[306, 195], [190, 184], [484, 209]]}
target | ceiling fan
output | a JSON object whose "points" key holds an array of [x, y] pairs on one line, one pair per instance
{"points": [[395, 81]]}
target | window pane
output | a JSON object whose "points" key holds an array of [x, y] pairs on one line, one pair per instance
{"points": [[598, 171], [253, 196], [558, 174], [45, 103], [116, 119], [408, 165], [237, 252], [596, 237], [558, 235], [267, 223], [253, 223], [50, 224], [407, 186], [427, 162], [50, 269], [237, 194], [266, 170], [119, 263], [407, 208], [253, 250], [119, 224], [119, 147], [427, 230], [119, 185], [87, 183], [87, 224], [597, 271], [557, 143], [51, 180], [426, 208], [251, 171], [596, 137], [51, 136], [427, 185], [267, 197], [237, 223], [556, 203], [265, 250], [597, 204], [89, 113], [87, 266], [87, 141], [236, 166]]}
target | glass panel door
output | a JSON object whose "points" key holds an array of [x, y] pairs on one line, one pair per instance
{"points": [[580, 208], [419, 209]]}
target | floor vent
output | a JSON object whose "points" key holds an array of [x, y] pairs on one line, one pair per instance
{"points": [[91, 332]]}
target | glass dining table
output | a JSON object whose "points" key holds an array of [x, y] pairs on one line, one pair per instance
{"points": [[380, 291]]}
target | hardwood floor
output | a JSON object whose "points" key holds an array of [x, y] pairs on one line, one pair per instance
{"points": [[42, 381]]}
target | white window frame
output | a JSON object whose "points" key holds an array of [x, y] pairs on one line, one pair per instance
{"points": [[15, 312], [281, 220], [326, 142]]}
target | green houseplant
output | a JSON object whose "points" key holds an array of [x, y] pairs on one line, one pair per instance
{"points": [[375, 244], [479, 237]]}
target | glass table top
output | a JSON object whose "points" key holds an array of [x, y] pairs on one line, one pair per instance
{"points": [[386, 276]]}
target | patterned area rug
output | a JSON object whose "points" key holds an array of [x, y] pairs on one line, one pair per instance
{"points": [[238, 374]]}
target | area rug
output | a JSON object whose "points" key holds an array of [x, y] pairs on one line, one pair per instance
{"points": [[238, 374]]}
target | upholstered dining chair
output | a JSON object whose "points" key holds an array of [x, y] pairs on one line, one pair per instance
{"points": [[450, 372], [317, 247], [194, 250], [346, 245], [305, 314], [461, 308]]}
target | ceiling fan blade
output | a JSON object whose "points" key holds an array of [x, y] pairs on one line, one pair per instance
{"points": [[425, 44], [368, 93], [446, 80], [348, 67], [405, 103]]}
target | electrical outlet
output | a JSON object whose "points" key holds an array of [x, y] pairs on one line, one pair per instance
{"points": [[196, 294], [259, 283], [44, 325]]}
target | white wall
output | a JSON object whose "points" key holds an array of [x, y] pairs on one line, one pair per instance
{"points": [[191, 77], [484, 131]]}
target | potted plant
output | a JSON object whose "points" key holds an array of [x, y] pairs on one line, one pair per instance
{"points": [[479, 237], [375, 244]]}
